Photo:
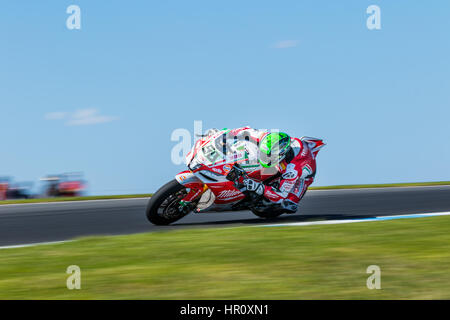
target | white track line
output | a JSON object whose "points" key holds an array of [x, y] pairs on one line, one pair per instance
{"points": [[380, 218], [33, 244]]}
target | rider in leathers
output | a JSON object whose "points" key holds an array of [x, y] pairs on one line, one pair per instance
{"points": [[291, 161]]}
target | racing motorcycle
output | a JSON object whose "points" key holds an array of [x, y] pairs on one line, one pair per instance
{"points": [[217, 165]]}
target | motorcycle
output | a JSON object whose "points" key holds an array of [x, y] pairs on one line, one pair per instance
{"points": [[217, 165]]}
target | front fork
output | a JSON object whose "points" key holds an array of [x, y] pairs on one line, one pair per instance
{"points": [[187, 204]]}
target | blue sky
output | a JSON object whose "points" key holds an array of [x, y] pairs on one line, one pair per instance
{"points": [[138, 70]]}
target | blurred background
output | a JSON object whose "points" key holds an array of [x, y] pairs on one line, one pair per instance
{"points": [[105, 99], [58, 185]]}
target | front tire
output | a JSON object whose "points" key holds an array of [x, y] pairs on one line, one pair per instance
{"points": [[163, 206]]}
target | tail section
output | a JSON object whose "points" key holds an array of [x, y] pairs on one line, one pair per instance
{"points": [[314, 144]]}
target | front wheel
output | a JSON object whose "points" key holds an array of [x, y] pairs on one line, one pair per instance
{"points": [[163, 207]]}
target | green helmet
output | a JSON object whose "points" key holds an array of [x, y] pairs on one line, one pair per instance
{"points": [[273, 148]]}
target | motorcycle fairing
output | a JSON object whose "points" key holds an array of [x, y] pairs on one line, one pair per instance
{"points": [[314, 144], [223, 190], [187, 178]]}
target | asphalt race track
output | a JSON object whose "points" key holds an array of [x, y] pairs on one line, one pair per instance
{"points": [[45, 222]]}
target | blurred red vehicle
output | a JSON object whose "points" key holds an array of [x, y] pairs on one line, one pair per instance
{"points": [[64, 185], [4, 186]]}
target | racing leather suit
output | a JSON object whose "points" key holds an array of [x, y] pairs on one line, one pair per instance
{"points": [[293, 175], [296, 175]]}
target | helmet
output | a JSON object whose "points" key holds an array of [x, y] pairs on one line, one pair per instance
{"points": [[273, 148]]}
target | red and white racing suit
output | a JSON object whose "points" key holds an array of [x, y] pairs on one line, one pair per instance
{"points": [[295, 176]]}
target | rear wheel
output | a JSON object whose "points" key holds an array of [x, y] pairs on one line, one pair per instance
{"points": [[267, 214], [164, 206]]}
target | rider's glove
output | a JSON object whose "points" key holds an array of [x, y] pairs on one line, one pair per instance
{"points": [[252, 185]]}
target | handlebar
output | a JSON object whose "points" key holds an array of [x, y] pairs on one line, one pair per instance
{"points": [[235, 173]]}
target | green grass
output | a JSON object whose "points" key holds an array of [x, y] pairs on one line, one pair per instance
{"points": [[349, 186], [314, 262]]}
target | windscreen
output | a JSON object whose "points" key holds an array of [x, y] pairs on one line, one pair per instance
{"points": [[224, 149]]}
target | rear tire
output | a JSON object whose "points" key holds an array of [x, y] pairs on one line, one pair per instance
{"points": [[162, 208], [267, 215]]}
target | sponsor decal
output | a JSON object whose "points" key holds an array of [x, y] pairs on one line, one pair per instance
{"points": [[183, 177], [306, 172], [226, 168], [304, 152], [228, 194], [298, 189], [290, 174], [217, 170], [270, 194], [287, 186]]}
